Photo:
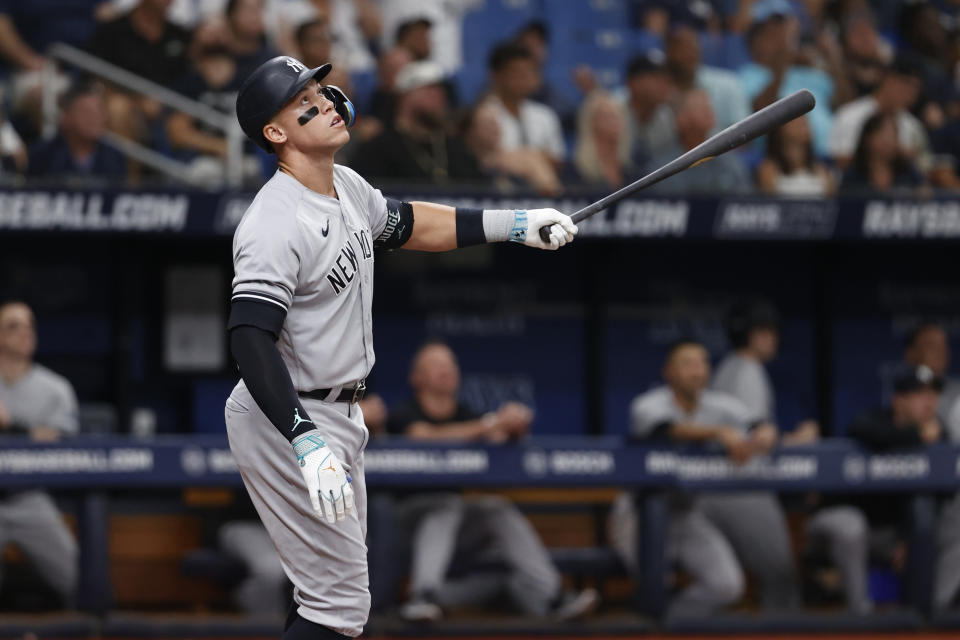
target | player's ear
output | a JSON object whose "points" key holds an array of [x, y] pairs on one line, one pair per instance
{"points": [[274, 133]]}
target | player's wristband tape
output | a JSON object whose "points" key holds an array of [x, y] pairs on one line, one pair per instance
{"points": [[470, 227], [307, 444]]}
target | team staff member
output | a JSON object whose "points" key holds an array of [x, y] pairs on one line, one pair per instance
{"points": [[752, 522], [841, 530], [301, 332], [682, 411], [36, 402], [446, 525]]}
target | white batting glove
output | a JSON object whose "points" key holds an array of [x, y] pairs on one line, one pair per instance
{"points": [[327, 482], [527, 225]]}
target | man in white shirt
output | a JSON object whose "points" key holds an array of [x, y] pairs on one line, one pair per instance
{"points": [[523, 122], [897, 92]]}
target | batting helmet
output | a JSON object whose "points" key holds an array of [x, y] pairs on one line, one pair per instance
{"points": [[272, 85]]}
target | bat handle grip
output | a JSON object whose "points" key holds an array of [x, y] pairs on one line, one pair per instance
{"points": [[545, 233]]}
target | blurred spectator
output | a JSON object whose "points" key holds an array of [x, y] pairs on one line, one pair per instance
{"points": [[145, 42], [374, 414], [417, 147], [507, 169], [895, 95], [946, 140], [773, 40], [523, 122], [602, 153], [383, 103], [924, 34], [686, 411], [447, 525], [693, 122], [535, 38], [927, 346], [27, 29], [13, 153], [650, 128], [446, 26], [879, 164], [865, 52], [242, 32], [841, 530], [142, 41], [78, 151], [724, 88], [40, 404], [791, 168], [414, 36], [213, 81]]}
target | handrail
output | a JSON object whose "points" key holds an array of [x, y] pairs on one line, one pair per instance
{"points": [[121, 77]]}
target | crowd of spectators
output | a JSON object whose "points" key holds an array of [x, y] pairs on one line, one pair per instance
{"points": [[885, 75]]}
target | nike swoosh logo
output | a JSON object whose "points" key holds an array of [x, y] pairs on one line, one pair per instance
{"points": [[325, 229]]}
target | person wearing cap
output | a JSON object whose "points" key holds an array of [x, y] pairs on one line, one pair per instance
{"points": [[649, 126], [774, 71], [928, 345], [840, 530], [908, 422], [686, 68], [897, 92], [301, 332], [416, 148]]}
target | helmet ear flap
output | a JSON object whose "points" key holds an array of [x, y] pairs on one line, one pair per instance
{"points": [[341, 103]]}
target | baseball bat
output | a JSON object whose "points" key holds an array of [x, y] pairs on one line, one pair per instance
{"points": [[753, 126]]}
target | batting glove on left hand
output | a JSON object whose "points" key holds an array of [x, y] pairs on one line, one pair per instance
{"points": [[527, 225], [327, 483]]}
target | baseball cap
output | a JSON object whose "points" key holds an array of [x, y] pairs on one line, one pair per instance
{"points": [[766, 9], [907, 64], [650, 61], [419, 74], [917, 378], [268, 88]]}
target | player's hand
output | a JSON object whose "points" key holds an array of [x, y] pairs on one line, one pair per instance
{"points": [[515, 419], [930, 431], [327, 483], [561, 233], [764, 438], [738, 447]]}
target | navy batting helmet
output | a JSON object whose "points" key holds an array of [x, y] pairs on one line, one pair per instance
{"points": [[272, 85]]}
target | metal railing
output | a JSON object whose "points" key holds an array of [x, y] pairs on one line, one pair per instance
{"points": [[93, 65]]}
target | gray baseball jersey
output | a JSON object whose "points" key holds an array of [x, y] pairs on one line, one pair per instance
{"points": [[658, 406], [41, 398], [747, 380], [312, 256]]}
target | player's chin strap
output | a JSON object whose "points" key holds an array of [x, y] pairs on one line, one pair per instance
{"points": [[341, 103]]}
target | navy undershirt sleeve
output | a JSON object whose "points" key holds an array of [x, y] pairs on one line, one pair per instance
{"points": [[268, 380]]}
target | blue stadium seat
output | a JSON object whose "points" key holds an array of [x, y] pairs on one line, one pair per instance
{"points": [[364, 83]]}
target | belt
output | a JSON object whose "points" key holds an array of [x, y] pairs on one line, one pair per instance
{"points": [[351, 393]]}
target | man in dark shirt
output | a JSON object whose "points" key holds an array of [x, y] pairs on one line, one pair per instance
{"points": [[77, 151], [417, 147], [910, 421], [445, 526], [144, 42]]}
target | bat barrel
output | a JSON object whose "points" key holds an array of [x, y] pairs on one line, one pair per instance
{"points": [[753, 126]]}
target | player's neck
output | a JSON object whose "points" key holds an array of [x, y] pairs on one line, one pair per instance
{"points": [[435, 405], [315, 174], [13, 368]]}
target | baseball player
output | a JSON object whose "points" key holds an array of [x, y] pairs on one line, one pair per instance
{"points": [[841, 530], [301, 332]]}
